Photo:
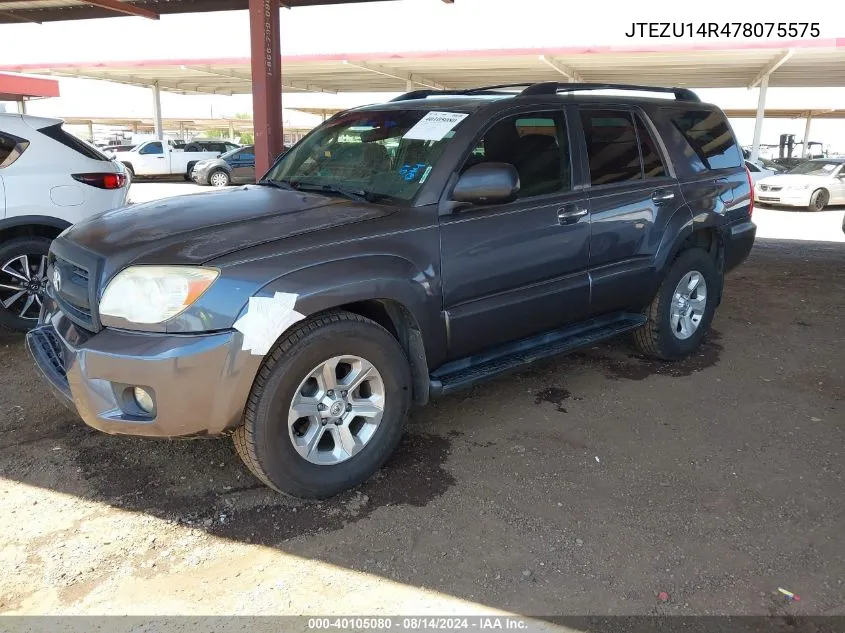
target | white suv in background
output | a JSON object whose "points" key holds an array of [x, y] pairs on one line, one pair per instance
{"points": [[49, 179]]}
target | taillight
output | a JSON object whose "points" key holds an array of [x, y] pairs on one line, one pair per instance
{"points": [[751, 192], [102, 181]]}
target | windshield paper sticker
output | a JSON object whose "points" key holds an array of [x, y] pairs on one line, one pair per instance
{"points": [[266, 319], [434, 126]]}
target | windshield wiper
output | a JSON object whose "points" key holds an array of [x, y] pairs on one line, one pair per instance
{"points": [[359, 195], [278, 184]]}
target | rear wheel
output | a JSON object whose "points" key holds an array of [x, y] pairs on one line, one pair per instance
{"points": [[681, 313], [219, 178], [819, 200], [23, 279], [328, 407]]}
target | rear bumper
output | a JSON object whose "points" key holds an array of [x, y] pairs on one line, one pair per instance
{"points": [[739, 239], [200, 383]]}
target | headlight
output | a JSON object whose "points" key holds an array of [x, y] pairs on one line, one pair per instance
{"points": [[153, 294]]}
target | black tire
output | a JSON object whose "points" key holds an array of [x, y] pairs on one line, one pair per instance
{"points": [[263, 441], [219, 171], [656, 337], [819, 200], [33, 247]]}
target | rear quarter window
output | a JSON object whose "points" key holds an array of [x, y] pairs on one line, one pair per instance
{"points": [[11, 147], [709, 136], [57, 133]]}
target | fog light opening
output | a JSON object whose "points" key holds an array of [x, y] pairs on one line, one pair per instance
{"points": [[144, 400]]}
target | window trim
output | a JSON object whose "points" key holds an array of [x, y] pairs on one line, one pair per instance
{"points": [[534, 111]]}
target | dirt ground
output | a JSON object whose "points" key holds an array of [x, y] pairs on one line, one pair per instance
{"points": [[585, 485]]}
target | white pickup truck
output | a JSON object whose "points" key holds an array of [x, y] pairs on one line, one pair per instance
{"points": [[160, 158]]}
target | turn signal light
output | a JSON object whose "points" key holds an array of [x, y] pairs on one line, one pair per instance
{"points": [[102, 181]]}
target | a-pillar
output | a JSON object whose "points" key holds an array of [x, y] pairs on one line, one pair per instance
{"points": [[806, 145], [266, 65], [758, 122], [157, 126]]}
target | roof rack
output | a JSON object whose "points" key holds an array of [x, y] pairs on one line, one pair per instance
{"points": [[550, 88]]}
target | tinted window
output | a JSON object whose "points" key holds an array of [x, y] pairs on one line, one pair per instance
{"points": [[11, 147], [709, 136], [152, 148], [247, 156], [611, 146], [652, 163], [536, 144], [56, 133]]}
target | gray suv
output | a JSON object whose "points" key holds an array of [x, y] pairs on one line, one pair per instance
{"points": [[399, 252]]}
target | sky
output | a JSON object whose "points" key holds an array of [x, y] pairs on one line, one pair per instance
{"points": [[405, 25]]}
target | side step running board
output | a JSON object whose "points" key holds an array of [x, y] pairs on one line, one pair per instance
{"points": [[466, 372]]}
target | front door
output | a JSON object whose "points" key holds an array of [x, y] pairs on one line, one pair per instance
{"points": [[837, 186], [512, 270], [152, 160], [243, 165], [632, 197]]}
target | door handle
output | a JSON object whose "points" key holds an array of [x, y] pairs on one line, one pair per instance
{"points": [[570, 214], [160, 157], [663, 196]]}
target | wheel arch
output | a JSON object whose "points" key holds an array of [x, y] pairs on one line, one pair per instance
{"points": [[31, 226], [384, 289]]}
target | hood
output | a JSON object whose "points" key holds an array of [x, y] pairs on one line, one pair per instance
{"points": [[193, 229], [791, 180]]}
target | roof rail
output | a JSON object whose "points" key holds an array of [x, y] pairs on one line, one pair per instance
{"points": [[549, 88], [553, 87]]}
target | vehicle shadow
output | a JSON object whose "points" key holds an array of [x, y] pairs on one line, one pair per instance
{"points": [[601, 476]]}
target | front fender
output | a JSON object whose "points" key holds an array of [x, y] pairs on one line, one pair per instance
{"points": [[332, 284]]}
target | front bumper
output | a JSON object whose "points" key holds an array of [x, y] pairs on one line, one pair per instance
{"points": [[799, 198], [200, 176], [200, 383]]}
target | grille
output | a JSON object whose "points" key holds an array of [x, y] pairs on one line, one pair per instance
{"points": [[769, 188], [45, 342], [73, 294]]}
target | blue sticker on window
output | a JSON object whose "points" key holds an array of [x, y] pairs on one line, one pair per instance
{"points": [[409, 172]]}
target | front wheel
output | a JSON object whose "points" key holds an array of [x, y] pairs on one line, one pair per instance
{"points": [[219, 178], [819, 200], [681, 313], [23, 279], [328, 407]]}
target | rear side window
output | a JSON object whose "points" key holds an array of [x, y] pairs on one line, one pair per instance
{"points": [[611, 146], [57, 133], [11, 147], [709, 137]]}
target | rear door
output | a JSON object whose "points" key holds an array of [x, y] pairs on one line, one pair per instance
{"points": [[515, 269], [152, 160], [632, 196]]}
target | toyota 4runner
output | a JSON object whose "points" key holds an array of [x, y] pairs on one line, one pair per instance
{"points": [[399, 252]]}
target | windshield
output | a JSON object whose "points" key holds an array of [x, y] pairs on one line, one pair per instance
{"points": [[815, 168], [375, 154]]}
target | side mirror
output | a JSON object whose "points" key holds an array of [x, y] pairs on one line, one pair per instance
{"points": [[487, 183]]}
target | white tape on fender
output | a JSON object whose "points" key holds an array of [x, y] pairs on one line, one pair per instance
{"points": [[266, 319]]}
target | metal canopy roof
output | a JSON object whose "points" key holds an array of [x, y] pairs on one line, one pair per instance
{"points": [[18, 88], [813, 63], [14, 11]]}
